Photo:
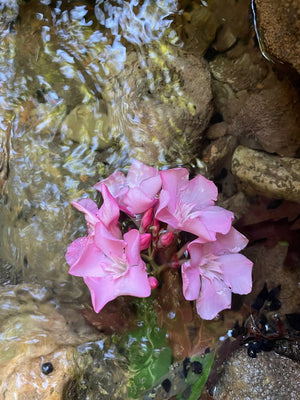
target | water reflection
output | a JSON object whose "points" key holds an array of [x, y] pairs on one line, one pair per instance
{"points": [[69, 114]]}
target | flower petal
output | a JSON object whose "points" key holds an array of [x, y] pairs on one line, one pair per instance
{"points": [[173, 181], [76, 249], [214, 297], [89, 208], [190, 281], [217, 219], [232, 242], [137, 202], [107, 242], [90, 261], [109, 212], [102, 291], [132, 238], [194, 224], [237, 270], [114, 183], [162, 213], [201, 192]]}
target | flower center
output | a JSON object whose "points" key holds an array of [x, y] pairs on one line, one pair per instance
{"points": [[183, 211], [117, 267]]}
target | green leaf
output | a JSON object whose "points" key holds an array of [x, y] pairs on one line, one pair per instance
{"points": [[147, 351]]}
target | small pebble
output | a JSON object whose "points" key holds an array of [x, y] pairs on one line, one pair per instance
{"points": [[47, 368]]}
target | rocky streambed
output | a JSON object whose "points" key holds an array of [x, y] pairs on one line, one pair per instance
{"points": [[87, 85]]}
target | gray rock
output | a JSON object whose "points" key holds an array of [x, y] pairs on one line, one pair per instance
{"points": [[267, 377], [267, 175]]}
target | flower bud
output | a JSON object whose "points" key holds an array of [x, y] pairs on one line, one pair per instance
{"points": [[166, 239], [145, 240], [147, 219], [153, 282], [155, 227]]}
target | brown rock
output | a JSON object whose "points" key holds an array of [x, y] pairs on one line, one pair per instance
{"points": [[267, 175], [217, 152], [278, 25], [217, 130], [271, 115]]}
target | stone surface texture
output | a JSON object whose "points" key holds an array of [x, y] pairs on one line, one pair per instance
{"points": [[278, 26], [267, 175], [267, 377]]}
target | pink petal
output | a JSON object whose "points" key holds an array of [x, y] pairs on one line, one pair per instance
{"points": [[190, 281], [201, 192], [102, 291], [90, 261], [237, 270], [217, 219], [107, 242], [132, 238], [163, 214], [232, 242], [75, 250], [134, 283], [109, 212], [195, 249], [138, 172], [151, 186], [194, 224], [89, 208], [136, 201], [173, 180], [114, 183], [214, 297]]}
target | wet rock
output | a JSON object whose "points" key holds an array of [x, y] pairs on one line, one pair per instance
{"points": [[269, 376], [217, 153], [264, 110], [212, 23], [242, 71], [196, 26], [41, 351], [278, 27], [163, 115], [8, 10], [88, 123], [267, 175]]}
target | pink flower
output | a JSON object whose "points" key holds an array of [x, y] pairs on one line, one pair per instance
{"points": [[111, 267], [189, 205], [108, 213], [137, 191], [214, 271]]}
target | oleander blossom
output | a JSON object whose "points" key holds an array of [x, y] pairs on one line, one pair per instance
{"points": [[136, 192], [159, 206], [188, 205], [110, 267], [214, 271]]}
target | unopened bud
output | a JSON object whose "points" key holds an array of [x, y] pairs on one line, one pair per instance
{"points": [[153, 282], [166, 239], [147, 219], [145, 240], [155, 227]]}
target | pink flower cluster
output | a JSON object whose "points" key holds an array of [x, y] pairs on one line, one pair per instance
{"points": [[161, 204]]}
